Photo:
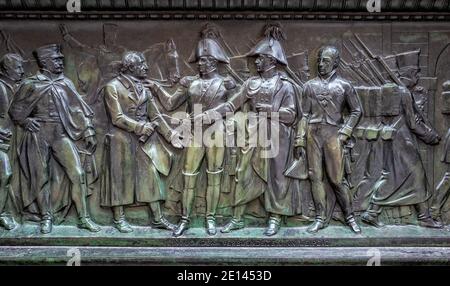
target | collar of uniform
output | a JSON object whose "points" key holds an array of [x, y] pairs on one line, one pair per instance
{"points": [[7, 81], [130, 80], [329, 78], [42, 77]]}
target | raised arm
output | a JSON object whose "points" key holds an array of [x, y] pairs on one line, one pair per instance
{"points": [[162, 127], [237, 98], [74, 43], [172, 102]]}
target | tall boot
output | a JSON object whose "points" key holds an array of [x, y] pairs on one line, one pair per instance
{"points": [[159, 221], [274, 225], [43, 201], [79, 198], [237, 222], [441, 195], [424, 217], [6, 219], [212, 199], [370, 216], [119, 220], [187, 203], [344, 200]]}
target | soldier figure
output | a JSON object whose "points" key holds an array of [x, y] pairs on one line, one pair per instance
{"points": [[11, 74], [403, 181], [135, 155], [271, 92], [206, 91], [55, 119], [443, 188], [324, 133]]}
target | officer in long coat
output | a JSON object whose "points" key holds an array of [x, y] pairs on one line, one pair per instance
{"points": [[261, 169], [403, 179], [135, 155], [58, 125]]}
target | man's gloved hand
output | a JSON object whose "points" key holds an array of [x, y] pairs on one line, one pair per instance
{"points": [[176, 140], [342, 138], [31, 125]]}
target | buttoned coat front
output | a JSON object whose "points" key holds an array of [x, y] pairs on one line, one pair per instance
{"points": [[132, 170]]}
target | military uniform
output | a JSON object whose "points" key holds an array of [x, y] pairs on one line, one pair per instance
{"points": [[261, 169], [7, 90], [64, 119], [268, 172], [324, 100], [402, 181], [207, 93], [443, 187]]}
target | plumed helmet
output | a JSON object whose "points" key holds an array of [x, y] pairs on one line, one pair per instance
{"points": [[270, 44], [208, 45]]}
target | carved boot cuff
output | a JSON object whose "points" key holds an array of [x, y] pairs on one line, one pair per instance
{"points": [[47, 217], [275, 219], [214, 177], [120, 220], [185, 219], [423, 216], [189, 180], [350, 219], [319, 219]]}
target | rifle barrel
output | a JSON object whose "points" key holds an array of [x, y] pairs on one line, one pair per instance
{"points": [[380, 60], [373, 70]]}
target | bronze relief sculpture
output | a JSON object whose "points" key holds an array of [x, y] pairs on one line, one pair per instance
{"points": [[205, 92], [271, 92], [324, 133], [12, 72], [313, 122], [135, 140], [54, 118], [225, 130], [405, 185]]}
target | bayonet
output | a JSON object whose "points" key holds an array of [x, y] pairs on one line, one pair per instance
{"points": [[380, 60], [372, 69]]}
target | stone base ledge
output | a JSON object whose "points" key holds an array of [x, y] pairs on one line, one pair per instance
{"points": [[335, 245], [224, 256], [332, 236]]}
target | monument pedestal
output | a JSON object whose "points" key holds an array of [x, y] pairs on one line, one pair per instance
{"points": [[334, 245]]}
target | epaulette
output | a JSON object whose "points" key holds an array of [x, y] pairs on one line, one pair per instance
{"points": [[254, 83], [229, 83], [187, 80]]}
